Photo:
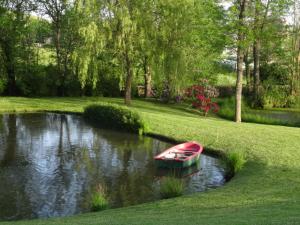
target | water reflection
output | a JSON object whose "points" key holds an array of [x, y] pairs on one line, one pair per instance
{"points": [[50, 163]]}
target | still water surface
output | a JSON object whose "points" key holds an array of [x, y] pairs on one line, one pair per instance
{"points": [[51, 163]]}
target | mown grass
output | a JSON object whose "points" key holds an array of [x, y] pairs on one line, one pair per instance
{"points": [[265, 191]]}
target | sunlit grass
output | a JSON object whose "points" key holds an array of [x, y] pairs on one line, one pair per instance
{"points": [[266, 189]]}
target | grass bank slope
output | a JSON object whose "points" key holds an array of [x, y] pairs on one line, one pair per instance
{"points": [[265, 191]]}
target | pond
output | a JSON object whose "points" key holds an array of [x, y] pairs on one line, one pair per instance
{"points": [[51, 163]]}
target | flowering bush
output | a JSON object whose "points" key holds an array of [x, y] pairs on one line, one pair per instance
{"points": [[203, 88], [201, 98]]}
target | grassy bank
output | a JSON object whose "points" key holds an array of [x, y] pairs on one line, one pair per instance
{"points": [[285, 117], [265, 191]]}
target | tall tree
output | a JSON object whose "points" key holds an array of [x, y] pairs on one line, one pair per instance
{"points": [[147, 42], [55, 10], [89, 25], [295, 49], [241, 36], [126, 35], [260, 19], [13, 18]]}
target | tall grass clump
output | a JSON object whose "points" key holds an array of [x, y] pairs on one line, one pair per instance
{"points": [[235, 161], [171, 187], [99, 200], [116, 117]]}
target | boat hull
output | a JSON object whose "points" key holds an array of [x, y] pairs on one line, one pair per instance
{"points": [[177, 164]]}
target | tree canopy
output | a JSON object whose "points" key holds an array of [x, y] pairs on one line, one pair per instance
{"points": [[117, 47]]}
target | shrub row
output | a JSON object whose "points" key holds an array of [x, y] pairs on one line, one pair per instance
{"points": [[116, 117]]}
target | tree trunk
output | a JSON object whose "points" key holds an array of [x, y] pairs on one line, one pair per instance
{"points": [[239, 85], [240, 60], [256, 71], [259, 23], [248, 71], [148, 78], [295, 81], [128, 82]]}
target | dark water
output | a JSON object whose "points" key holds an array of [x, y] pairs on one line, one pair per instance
{"points": [[51, 163]]}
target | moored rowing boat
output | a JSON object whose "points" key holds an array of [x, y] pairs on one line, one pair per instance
{"points": [[179, 156]]}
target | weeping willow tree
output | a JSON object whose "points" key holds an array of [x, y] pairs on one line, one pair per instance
{"points": [[90, 31], [190, 39], [173, 42], [123, 25], [147, 42]]}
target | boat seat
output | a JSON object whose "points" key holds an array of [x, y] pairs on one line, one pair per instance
{"points": [[170, 155]]}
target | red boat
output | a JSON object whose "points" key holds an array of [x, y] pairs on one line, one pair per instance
{"points": [[179, 156]]}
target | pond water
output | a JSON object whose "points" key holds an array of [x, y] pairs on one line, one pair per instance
{"points": [[51, 163]]}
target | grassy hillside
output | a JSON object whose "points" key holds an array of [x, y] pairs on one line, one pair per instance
{"points": [[265, 191]]}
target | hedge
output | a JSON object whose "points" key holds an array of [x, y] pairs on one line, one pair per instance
{"points": [[115, 117]]}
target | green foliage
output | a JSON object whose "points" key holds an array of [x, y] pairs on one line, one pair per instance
{"points": [[2, 85], [90, 35], [274, 73], [38, 31], [99, 200], [84, 38], [171, 187], [33, 82], [276, 96], [276, 86], [235, 161], [182, 61], [228, 79], [117, 117], [297, 102]]}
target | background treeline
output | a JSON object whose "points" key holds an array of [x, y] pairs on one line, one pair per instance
{"points": [[268, 52], [122, 47]]}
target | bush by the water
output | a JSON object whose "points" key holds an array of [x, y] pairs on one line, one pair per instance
{"points": [[277, 96], [171, 187], [115, 116], [99, 199]]}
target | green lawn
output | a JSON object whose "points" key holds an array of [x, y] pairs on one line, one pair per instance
{"points": [[265, 191]]}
